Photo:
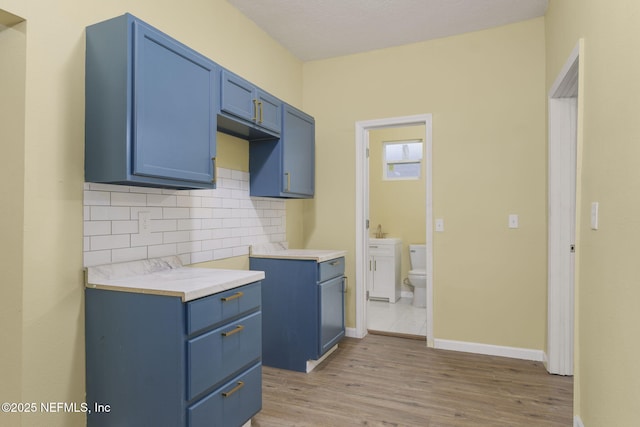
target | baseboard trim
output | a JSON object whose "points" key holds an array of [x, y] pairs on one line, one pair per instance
{"points": [[351, 333], [577, 422], [311, 364], [491, 350]]}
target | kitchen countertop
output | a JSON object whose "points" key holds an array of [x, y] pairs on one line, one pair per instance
{"points": [[167, 276], [319, 255]]}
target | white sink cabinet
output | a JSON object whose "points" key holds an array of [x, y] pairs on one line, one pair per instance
{"points": [[383, 276]]}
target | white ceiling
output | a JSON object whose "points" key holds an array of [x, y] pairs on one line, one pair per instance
{"points": [[319, 29]]}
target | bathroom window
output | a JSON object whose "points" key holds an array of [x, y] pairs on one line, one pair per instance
{"points": [[402, 159]]}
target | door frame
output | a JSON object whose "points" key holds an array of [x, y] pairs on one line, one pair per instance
{"points": [[564, 116], [362, 212]]}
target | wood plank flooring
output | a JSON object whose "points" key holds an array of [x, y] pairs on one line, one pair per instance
{"points": [[389, 381]]}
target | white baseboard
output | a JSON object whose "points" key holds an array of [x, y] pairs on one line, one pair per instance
{"points": [[311, 364], [351, 332], [577, 422], [491, 350]]}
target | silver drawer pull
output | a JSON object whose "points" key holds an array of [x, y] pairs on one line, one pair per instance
{"points": [[232, 297], [233, 390], [233, 331], [334, 263]]}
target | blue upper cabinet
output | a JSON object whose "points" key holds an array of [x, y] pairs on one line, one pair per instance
{"points": [[285, 167], [247, 111], [151, 105]]}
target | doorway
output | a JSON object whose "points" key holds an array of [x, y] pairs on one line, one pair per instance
{"points": [[564, 110], [363, 226], [397, 223]]}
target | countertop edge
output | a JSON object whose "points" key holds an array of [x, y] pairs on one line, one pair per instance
{"points": [[301, 256], [242, 277]]}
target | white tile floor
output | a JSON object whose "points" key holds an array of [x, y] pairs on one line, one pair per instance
{"points": [[401, 317]]}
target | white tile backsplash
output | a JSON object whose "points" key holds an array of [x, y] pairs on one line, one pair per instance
{"points": [[196, 225]]}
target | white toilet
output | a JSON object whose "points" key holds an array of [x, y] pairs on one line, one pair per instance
{"points": [[418, 274]]}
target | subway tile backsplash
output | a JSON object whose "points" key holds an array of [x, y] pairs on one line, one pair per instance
{"points": [[196, 225]]}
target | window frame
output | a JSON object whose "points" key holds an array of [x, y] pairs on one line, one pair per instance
{"points": [[386, 163]]}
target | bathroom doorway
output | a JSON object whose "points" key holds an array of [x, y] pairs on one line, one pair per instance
{"points": [[371, 211], [397, 216]]}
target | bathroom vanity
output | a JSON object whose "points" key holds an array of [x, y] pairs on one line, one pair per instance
{"points": [[302, 306], [383, 275], [172, 345]]}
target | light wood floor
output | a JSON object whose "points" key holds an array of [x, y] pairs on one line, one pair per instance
{"points": [[388, 381]]}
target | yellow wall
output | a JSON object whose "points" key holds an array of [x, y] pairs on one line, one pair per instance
{"points": [[399, 206], [486, 93], [12, 85], [607, 373], [46, 324]]}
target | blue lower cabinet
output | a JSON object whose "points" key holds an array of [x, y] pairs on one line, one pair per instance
{"points": [[302, 310], [228, 405], [153, 360]]}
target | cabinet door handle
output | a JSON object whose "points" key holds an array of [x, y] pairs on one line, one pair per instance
{"points": [[213, 172], [261, 115], [233, 331], [345, 284], [375, 265], [233, 390], [288, 175], [232, 297], [255, 110]]}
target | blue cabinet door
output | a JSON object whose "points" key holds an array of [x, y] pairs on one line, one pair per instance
{"points": [[298, 152], [285, 167], [150, 108], [237, 97], [331, 299], [175, 92], [257, 109], [268, 114]]}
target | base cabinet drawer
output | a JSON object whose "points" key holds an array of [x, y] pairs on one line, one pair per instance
{"points": [[330, 269], [215, 354], [215, 309], [230, 404]]}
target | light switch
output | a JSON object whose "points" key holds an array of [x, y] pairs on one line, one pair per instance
{"points": [[594, 215], [439, 225], [513, 221]]}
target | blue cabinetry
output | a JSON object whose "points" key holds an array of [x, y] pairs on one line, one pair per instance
{"points": [[285, 167], [247, 111], [302, 309], [158, 361], [151, 105]]}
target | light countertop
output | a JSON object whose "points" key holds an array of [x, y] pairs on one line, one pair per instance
{"points": [[318, 255], [167, 276]]}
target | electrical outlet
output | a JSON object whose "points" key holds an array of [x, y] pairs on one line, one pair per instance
{"points": [[144, 223], [513, 221]]}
